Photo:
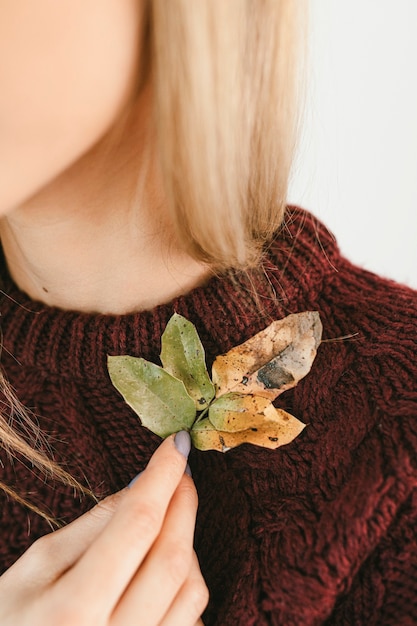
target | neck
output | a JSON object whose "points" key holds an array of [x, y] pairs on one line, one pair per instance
{"points": [[95, 240]]}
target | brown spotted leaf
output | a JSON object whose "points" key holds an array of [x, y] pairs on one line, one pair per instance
{"points": [[269, 428], [236, 411], [272, 361], [247, 379]]}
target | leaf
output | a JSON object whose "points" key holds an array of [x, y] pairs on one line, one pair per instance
{"points": [[182, 355], [205, 437], [272, 429], [235, 411], [246, 379], [272, 361], [160, 400]]}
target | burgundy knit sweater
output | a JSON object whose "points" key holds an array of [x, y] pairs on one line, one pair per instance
{"points": [[321, 531]]}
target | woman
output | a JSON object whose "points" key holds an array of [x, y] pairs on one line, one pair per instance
{"points": [[146, 149]]}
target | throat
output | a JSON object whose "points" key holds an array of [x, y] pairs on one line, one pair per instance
{"points": [[98, 238], [99, 271]]}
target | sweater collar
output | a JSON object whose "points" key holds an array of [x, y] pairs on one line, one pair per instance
{"points": [[225, 310]]}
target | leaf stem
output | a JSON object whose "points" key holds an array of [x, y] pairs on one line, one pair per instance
{"points": [[201, 416]]}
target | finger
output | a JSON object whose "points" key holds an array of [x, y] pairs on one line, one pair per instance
{"points": [[167, 565], [191, 600], [84, 530], [51, 555], [108, 565]]}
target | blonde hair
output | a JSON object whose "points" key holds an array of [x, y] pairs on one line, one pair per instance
{"points": [[14, 443], [226, 81], [227, 94]]}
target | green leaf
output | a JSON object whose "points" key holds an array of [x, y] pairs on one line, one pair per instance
{"points": [[160, 400], [182, 355]]}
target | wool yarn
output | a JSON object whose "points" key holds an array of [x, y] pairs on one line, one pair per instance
{"points": [[319, 532]]}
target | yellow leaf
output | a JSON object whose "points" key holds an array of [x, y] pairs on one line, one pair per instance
{"points": [[233, 412], [272, 361], [271, 429]]}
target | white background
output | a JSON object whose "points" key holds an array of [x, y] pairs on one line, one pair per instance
{"points": [[357, 164]]}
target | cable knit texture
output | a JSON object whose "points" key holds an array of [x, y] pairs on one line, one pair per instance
{"points": [[321, 531]]}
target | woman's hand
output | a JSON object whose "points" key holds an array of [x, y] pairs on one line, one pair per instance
{"points": [[127, 562]]}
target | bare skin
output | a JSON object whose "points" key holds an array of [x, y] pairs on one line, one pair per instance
{"points": [[83, 243], [84, 227], [145, 532]]}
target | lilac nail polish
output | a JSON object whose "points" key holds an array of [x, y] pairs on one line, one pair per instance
{"points": [[183, 443], [132, 482], [188, 471]]}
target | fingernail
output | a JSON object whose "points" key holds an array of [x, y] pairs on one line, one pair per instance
{"points": [[183, 443], [132, 482], [188, 471]]}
